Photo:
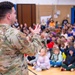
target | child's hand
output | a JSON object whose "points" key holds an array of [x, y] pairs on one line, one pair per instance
{"points": [[34, 64], [28, 62], [63, 60], [69, 65], [47, 48]]}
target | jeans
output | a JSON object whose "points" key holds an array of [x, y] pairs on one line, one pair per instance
{"points": [[53, 63]]}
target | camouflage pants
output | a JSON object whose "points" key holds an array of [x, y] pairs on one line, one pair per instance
{"points": [[21, 69], [17, 71]]}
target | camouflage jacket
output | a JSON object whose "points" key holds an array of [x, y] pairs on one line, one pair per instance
{"points": [[13, 45]]}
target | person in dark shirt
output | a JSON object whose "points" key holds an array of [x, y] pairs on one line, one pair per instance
{"points": [[69, 63]]}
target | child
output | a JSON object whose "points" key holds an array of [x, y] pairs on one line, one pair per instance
{"points": [[52, 24], [62, 49], [32, 59], [50, 46], [69, 63], [74, 44], [56, 59], [74, 48], [42, 61]]}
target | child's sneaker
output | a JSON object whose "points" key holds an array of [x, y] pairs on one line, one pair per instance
{"points": [[51, 65], [55, 65], [33, 67], [38, 69], [62, 69], [72, 70]]}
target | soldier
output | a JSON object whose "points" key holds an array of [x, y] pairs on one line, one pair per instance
{"points": [[13, 43]]}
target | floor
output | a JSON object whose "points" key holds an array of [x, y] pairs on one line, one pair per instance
{"points": [[51, 71]]}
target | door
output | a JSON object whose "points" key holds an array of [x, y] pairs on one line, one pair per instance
{"points": [[26, 13]]}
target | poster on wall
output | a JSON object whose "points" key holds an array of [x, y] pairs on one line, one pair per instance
{"points": [[45, 18], [58, 12], [55, 16]]}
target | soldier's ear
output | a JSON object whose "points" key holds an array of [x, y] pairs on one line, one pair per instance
{"points": [[8, 15]]}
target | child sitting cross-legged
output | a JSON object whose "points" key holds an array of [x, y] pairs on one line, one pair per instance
{"points": [[31, 59], [69, 63], [42, 61], [56, 59]]}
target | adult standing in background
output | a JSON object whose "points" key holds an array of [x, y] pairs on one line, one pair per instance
{"points": [[64, 22], [13, 43]]}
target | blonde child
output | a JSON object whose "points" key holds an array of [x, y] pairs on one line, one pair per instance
{"points": [[56, 59], [43, 61]]}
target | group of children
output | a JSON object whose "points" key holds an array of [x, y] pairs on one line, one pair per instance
{"points": [[43, 62], [58, 48]]}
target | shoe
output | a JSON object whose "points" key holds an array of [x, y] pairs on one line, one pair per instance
{"points": [[33, 67], [55, 65], [38, 69], [72, 70], [51, 65], [62, 69]]}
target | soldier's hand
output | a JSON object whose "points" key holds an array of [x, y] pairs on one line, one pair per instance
{"points": [[36, 30]]}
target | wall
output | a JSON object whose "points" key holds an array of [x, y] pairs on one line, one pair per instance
{"points": [[48, 7], [43, 2], [14, 1], [46, 10]]}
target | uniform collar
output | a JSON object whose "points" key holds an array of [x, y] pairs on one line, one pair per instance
{"points": [[5, 26]]}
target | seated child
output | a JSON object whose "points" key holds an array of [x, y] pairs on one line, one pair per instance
{"points": [[42, 61], [32, 59], [63, 51], [69, 63], [56, 59]]}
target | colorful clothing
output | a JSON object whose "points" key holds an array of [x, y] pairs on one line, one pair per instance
{"points": [[56, 59]]}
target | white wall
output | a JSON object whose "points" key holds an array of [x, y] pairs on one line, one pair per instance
{"points": [[57, 2], [14, 1]]}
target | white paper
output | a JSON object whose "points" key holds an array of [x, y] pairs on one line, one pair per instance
{"points": [[55, 16], [45, 18]]}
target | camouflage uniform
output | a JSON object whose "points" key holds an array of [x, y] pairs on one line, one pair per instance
{"points": [[13, 45]]}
